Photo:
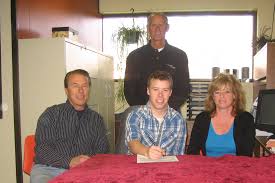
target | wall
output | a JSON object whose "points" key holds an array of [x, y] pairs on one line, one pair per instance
{"points": [[7, 158], [35, 19], [264, 7]]}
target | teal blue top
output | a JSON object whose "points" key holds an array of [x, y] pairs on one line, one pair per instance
{"points": [[219, 145]]}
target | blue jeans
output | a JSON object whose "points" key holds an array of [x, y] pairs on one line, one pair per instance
{"points": [[43, 173]]}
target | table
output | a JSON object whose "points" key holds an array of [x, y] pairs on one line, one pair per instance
{"points": [[190, 168], [260, 147]]}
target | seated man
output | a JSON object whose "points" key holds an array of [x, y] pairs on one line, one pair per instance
{"points": [[155, 129], [69, 133]]}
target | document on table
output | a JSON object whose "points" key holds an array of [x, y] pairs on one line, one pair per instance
{"points": [[144, 159]]}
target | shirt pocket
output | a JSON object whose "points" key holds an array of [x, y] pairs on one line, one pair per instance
{"points": [[148, 137], [169, 138]]}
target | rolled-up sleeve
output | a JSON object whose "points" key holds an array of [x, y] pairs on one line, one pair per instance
{"points": [[132, 128]]}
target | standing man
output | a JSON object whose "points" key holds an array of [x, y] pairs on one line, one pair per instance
{"points": [[156, 55], [69, 133], [155, 129]]}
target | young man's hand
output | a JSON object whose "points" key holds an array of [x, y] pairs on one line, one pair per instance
{"points": [[155, 152]]}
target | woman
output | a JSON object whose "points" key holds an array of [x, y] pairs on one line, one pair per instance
{"points": [[224, 127]]}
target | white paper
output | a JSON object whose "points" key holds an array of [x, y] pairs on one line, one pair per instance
{"points": [[262, 133], [144, 159]]}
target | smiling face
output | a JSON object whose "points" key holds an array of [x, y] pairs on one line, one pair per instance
{"points": [[78, 91], [224, 98], [159, 92], [157, 28]]}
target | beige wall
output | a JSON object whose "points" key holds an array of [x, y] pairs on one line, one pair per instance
{"points": [[264, 7], [7, 155]]}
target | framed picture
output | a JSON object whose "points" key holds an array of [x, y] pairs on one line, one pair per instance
{"points": [[1, 107]]}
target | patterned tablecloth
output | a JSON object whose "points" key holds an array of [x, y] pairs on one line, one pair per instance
{"points": [[189, 168]]}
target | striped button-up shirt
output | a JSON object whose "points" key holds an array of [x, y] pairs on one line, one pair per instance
{"points": [[170, 134], [63, 133]]}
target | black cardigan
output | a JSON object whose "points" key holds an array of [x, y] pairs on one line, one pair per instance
{"points": [[244, 134]]}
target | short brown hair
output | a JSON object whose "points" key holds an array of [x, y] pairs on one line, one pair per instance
{"points": [[160, 75], [77, 71], [239, 101]]}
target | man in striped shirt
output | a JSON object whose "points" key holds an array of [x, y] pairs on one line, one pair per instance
{"points": [[155, 129], [69, 133]]}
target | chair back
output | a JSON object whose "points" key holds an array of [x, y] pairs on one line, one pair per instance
{"points": [[29, 154], [121, 148]]}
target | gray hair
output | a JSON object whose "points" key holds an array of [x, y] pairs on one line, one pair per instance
{"points": [[164, 17]]}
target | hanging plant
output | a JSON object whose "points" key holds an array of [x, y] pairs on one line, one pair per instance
{"points": [[123, 38], [129, 35], [126, 35], [263, 38]]}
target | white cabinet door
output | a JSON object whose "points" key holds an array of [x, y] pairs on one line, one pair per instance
{"points": [[79, 57], [107, 95], [43, 64]]}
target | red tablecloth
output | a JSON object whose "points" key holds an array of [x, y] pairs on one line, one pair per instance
{"points": [[123, 168]]}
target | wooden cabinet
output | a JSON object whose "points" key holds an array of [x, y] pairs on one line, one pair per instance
{"points": [[264, 65], [257, 86], [43, 64]]}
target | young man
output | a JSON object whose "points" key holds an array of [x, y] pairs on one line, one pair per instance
{"points": [[155, 129], [156, 55], [69, 133]]}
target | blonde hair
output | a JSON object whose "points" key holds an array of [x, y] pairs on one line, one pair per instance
{"points": [[239, 100]]}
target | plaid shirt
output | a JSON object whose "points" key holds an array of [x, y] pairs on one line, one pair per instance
{"points": [[170, 135]]}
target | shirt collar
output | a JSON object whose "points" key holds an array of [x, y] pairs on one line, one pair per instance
{"points": [[149, 111], [72, 107], [159, 50]]}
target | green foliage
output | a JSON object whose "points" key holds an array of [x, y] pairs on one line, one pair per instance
{"points": [[128, 35], [123, 37], [119, 94], [263, 37]]}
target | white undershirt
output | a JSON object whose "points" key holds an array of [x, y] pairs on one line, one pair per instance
{"points": [[160, 120], [160, 49]]}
